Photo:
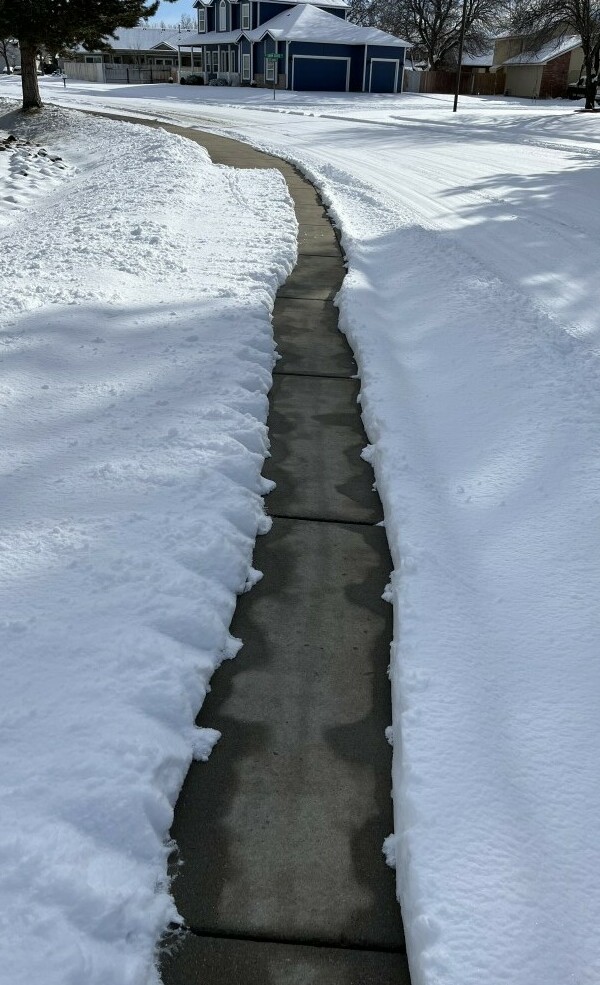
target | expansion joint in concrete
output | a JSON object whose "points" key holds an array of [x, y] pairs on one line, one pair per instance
{"points": [[314, 376], [324, 519], [307, 942]]}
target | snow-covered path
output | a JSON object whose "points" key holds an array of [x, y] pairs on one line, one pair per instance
{"points": [[472, 305], [529, 172]]}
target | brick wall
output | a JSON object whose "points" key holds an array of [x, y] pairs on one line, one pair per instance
{"points": [[555, 77]]}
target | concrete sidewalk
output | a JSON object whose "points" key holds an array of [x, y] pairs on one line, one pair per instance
{"points": [[282, 880]]}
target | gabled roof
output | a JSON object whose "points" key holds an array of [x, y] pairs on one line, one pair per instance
{"points": [[551, 50], [306, 22], [145, 39], [316, 3]]}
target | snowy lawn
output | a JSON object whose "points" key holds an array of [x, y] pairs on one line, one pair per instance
{"points": [[472, 305], [136, 351]]}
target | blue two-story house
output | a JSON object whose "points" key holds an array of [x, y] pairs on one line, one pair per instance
{"points": [[293, 45]]}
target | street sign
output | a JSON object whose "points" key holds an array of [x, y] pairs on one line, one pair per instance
{"points": [[272, 57]]}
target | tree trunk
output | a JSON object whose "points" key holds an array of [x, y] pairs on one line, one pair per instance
{"points": [[29, 82]]}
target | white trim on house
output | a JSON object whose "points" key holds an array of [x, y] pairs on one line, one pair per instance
{"points": [[323, 58], [222, 15], [246, 66], [215, 60], [202, 23], [269, 69], [245, 17], [393, 61]]}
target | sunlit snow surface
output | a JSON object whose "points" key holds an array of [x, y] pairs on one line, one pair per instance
{"points": [[472, 304], [135, 359]]}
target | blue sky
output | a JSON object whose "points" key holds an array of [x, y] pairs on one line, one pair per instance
{"points": [[171, 12]]}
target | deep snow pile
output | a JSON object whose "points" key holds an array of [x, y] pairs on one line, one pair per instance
{"points": [[136, 355]]}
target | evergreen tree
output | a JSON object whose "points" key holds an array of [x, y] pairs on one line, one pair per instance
{"points": [[53, 25]]}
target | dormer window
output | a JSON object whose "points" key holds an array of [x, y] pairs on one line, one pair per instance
{"points": [[245, 17], [201, 20], [222, 16]]}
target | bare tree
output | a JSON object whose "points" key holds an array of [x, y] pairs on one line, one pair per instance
{"points": [[364, 13], [186, 22], [433, 26], [545, 21]]}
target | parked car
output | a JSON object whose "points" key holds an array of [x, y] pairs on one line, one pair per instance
{"points": [[192, 80], [576, 90]]}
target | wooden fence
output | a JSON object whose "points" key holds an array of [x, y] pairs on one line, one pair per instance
{"points": [[471, 83], [125, 74]]}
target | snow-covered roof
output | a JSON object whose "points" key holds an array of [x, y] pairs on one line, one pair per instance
{"points": [[551, 50], [309, 23], [145, 38], [315, 3], [212, 37], [484, 58]]}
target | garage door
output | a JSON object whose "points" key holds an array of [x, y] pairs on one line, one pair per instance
{"points": [[325, 74], [383, 76]]}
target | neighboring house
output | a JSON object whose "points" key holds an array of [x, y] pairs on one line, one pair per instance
{"points": [[545, 73], [533, 74], [293, 45], [136, 54]]}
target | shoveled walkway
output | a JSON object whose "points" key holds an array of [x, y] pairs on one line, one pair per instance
{"points": [[280, 833]]}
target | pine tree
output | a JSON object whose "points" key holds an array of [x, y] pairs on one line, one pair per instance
{"points": [[54, 25]]}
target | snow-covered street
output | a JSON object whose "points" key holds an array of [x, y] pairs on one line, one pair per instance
{"points": [[472, 306]]}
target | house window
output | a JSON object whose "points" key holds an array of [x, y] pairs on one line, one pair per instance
{"points": [[245, 17], [222, 16], [215, 61], [232, 60], [224, 61], [269, 69], [246, 68], [201, 20]]}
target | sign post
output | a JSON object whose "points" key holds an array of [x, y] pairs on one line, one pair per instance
{"points": [[272, 57]]}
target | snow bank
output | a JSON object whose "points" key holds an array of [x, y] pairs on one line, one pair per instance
{"points": [[483, 418], [136, 354]]}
